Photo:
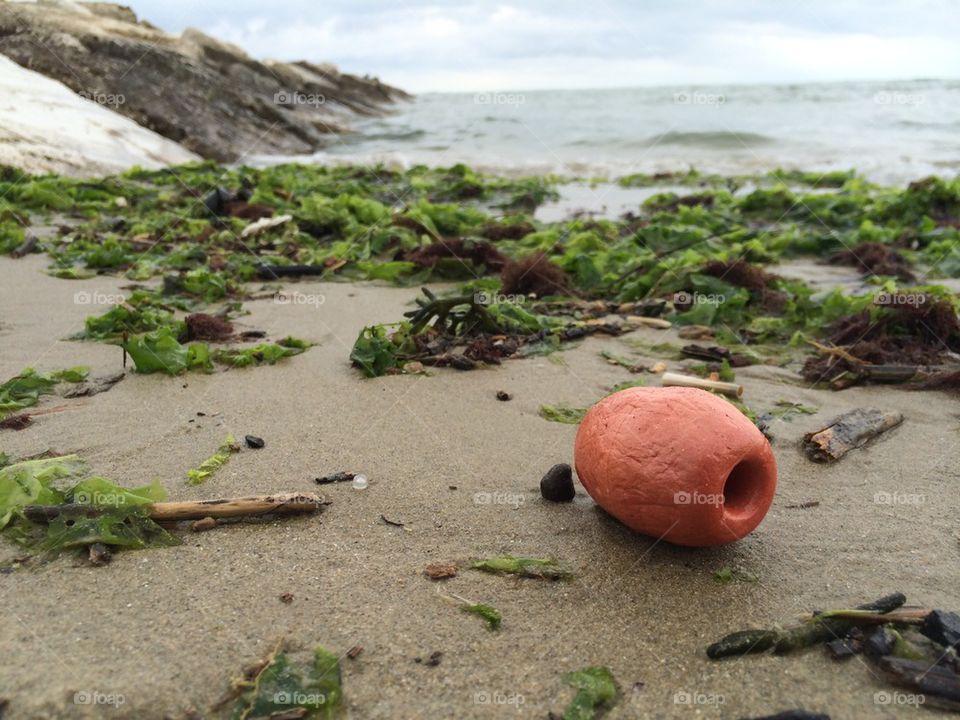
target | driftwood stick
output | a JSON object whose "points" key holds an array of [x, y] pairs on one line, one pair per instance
{"points": [[678, 380], [281, 504]]}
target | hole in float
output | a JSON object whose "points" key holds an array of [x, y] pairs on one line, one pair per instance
{"points": [[741, 488]]}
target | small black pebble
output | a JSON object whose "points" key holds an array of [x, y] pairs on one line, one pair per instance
{"points": [[557, 484], [434, 659], [503, 395], [254, 442], [451, 487]]}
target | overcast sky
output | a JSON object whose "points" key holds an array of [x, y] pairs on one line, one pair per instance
{"points": [[528, 44]]}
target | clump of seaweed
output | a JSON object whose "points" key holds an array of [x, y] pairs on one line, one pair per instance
{"points": [[906, 330], [536, 275], [742, 274], [596, 689], [874, 258], [538, 568]]}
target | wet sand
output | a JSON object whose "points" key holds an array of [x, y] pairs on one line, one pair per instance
{"points": [[167, 629]]}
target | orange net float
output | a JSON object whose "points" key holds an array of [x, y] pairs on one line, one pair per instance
{"points": [[676, 463]]}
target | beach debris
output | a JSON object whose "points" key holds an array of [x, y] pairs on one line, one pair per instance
{"points": [[360, 482], [209, 328], [504, 396], [844, 648], [24, 390], [489, 614], [394, 523], [557, 484], [254, 442], [725, 388], [719, 494], [596, 689], [335, 478], [938, 684], [853, 429], [432, 660], [288, 685], [440, 571], [95, 385], [785, 410], [354, 652], [213, 463], [942, 627], [658, 368], [820, 628], [203, 524], [695, 332], [909, 329], [539, 569], [38, 515], [286, 598], [621, 361], [462, 331], [16, 422], [264, 224], [874, 258], [99, 554], [562, 414], [804, 505]]}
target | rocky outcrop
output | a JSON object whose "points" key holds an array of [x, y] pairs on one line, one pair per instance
{"points": [[45, 127], [207, 95]]}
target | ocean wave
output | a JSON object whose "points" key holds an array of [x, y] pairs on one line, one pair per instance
{"points": [[721, 139]]}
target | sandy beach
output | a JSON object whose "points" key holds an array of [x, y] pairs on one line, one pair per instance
{"points": [[167, 629]]}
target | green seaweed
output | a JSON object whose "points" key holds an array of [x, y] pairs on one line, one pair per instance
{"points": [[541, 569], [490, 614], [283, 685], [25, 389], [160, 351], [563, 414], [596, 689], [213, 463]]}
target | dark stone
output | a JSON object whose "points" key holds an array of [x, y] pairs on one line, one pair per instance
{"points": [[942, 627], [503, 395], [557, 484], [254, 442], [843, 649], [879, 643]]}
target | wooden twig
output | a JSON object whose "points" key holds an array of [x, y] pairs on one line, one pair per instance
{"points": [[281, 504], [678, 380]]}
